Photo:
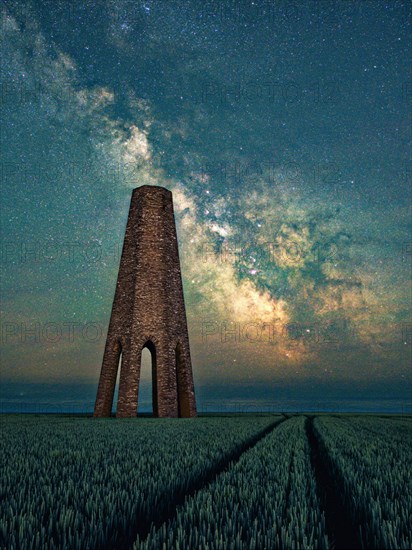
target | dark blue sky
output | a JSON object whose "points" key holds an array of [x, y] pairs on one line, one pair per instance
{"points": [[283, 130]]}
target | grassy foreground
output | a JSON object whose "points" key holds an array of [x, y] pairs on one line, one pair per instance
{"points": [[254, 482]]}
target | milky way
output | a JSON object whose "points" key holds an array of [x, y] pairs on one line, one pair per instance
{"points": [[283, 130]]}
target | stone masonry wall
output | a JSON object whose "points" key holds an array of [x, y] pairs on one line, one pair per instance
{"points": [[148, 311]]}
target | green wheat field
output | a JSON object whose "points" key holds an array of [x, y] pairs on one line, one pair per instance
{"points": [[229, 482]]}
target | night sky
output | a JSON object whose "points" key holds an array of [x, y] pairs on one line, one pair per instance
{"points": [[283, 130]]}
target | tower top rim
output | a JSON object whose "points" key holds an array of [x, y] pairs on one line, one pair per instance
{"points": [[153, 189]]}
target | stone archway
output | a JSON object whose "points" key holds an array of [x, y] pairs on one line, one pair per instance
{"points": [[149, 345]]}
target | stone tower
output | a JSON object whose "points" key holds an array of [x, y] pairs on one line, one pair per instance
{"points": [[148, 311]]}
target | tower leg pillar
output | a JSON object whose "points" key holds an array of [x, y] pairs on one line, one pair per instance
{"points": [[128, 386], [107, 381], [166, 385], [184, 383]]}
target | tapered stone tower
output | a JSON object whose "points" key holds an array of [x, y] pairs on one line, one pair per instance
{"points": [[148, 311]]}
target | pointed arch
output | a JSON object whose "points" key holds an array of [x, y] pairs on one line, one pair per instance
{"points": [[117, 349], [150, 345]]}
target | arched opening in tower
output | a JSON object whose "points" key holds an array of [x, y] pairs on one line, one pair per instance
{"points": [[147, 398], [183, 404], [117, 354], [116, 390]]}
